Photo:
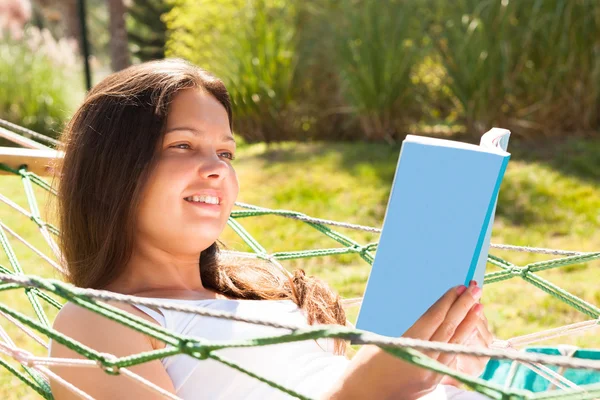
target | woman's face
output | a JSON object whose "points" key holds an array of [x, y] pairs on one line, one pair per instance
{"points": [[190, 193]]}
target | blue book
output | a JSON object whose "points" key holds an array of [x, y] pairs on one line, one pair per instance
{"points": [[437, 228]]}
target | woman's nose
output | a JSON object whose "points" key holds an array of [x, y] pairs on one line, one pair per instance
{"points": [[213, 167]]}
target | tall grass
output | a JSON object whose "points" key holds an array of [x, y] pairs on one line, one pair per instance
{"points": [[476, 65], [251, 46], [281, 55], [563, 80], [532, 66], [36, 81], [377, 50], [358, 69]]}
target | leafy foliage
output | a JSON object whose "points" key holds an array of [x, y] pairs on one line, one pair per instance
{"points": [[531, 66], [354, 69], [35, 81], [376, 54], [146, 30], [255, 56]]}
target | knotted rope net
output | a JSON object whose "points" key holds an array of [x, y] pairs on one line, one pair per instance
{"points": [[46, 295]]}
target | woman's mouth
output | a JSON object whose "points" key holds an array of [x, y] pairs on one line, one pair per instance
{"points": [[203, 199], [205, 204]]}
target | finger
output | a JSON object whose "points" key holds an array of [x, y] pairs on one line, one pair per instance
{"points": [[455, 318], [454, 364], [466, 331], [472, 365], [456, 315], [484, 318], [484, 329], [479, 363], [485, 333], [478, 341], [429, 322]]}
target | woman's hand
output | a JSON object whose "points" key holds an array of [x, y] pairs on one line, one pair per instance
{"points": [[471, 365], [375, 373], [456, 318]]}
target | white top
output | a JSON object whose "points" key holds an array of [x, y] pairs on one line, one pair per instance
{"points": [[307, 367]]}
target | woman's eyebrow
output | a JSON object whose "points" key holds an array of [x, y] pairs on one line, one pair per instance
{"points": [[196, 132]]}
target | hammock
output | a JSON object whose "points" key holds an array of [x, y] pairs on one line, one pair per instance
{"points": [[515, 371]]}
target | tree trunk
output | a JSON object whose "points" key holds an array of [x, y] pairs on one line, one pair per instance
{"points": [[71, 15], [119, 50]]}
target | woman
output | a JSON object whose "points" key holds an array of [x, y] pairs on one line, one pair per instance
{"points": [[146, 187]]}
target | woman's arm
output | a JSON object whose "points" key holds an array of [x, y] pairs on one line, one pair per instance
{"points": [[105, 336], [373, 373]]}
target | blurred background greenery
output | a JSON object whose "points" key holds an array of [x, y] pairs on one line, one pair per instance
{"points": [[324, 92], [330, 70]]}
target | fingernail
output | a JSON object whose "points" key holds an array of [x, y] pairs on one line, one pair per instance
{"points": [[476, 292], [461, 289], [478, 308], [473, 283]]}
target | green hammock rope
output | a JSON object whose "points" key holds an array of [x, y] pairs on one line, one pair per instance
{"points": [[38, 289]]}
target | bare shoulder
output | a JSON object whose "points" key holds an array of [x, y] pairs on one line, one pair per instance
{"points": [[104, 336], [78, 320]]}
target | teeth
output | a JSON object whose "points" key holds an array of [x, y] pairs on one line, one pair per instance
{"points": [[203, 199]]}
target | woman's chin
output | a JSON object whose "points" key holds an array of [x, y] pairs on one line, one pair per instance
{"points": [[205, 236]]}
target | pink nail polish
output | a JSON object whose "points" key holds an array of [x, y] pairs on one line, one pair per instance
{"points": [[476, 292], [461, 289], [473, 283], [478, 308]]}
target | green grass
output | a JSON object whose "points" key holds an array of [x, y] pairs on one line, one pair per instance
{"points": [[550, 198]]}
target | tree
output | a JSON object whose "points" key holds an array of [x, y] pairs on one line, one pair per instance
{"points": [[119, 50], [61, 17], [147, 31]]}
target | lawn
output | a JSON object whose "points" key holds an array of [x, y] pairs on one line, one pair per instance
{"points": [[550, 198]]}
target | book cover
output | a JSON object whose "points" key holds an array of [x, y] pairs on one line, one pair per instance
{"points": [[437, 227]]}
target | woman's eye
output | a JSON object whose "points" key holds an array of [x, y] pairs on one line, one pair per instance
{"points": [[227, 155], [181, 146]]}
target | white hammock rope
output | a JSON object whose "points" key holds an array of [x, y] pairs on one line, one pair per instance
{"points": [[499, 352], [43, 229], [553, 377], [50, 261], [28, 132], [306, 218], [27, 359], [566, 330], [28, 331]]}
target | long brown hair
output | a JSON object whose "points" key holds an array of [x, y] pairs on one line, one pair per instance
{"points": [[110, 147]]}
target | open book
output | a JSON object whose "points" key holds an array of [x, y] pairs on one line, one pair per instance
{"points": [[437, 228]]}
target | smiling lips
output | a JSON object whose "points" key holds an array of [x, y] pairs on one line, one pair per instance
{"points": [[203, 199]]}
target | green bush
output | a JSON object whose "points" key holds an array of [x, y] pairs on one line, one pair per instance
{"points": [[295, 69], [531, 66], [479, 46], [251, 46], [561, 78], [36, 81], [361, 69], [377, 50], [146, 31]]}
